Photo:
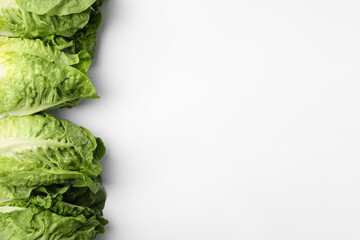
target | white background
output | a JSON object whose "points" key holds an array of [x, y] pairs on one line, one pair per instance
{"points": [[228, 120]]}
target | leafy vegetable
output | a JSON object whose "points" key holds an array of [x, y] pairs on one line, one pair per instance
{"points": [[44, 196], [55, 7], [50, 182], [39, 18], [40, 150], [18, 223], [52, 212], [50, 172], [85, 39], [35, 76]]}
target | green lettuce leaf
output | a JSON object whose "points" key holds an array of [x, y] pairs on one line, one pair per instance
{"points": [[16, 22], [55, 198], [78, 30], [50, 204], [84, 39], [40, 150], [36, 223], [39, 18], [55, 7], [44, 196], [35, 76]]}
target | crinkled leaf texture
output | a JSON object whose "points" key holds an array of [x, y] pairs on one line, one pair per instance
{"points": [[84, 39], [35, 223], [55, 7], [39, 18], [35, 76], [60, 202], [40, 150], [44, 196]]}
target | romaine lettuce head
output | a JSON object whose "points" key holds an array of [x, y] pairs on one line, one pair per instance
{"points": [[40, 150], [35, 76], [51, 204], [54, 198], [47, 196], [36, 223], [39, 18]]}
